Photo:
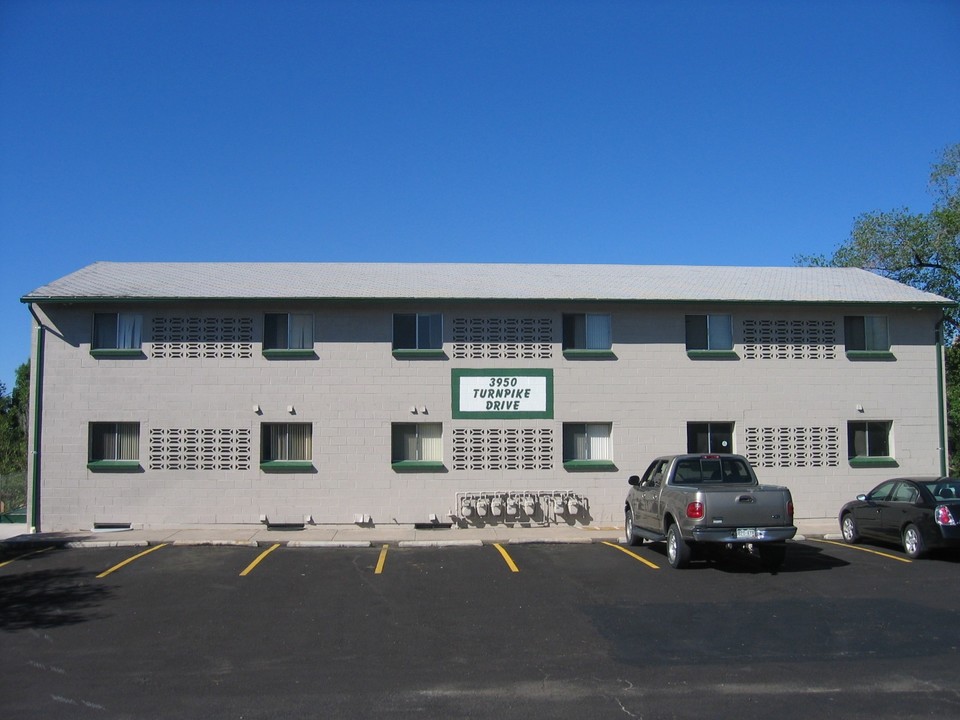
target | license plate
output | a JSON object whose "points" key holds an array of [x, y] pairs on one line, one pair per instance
{"points": [[746, 534]]}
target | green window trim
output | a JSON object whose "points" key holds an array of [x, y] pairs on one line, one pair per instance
{"points": [[408, 466], [578, 354], [589, 466], [873, 462], [411, 354], [114, 466], [712, 355], [870, 355], [117, 353], [289, 354], [287, 466]]}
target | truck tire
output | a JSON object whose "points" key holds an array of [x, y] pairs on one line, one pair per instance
{"points": [[772, 555], [678, 551], [629, 536]]}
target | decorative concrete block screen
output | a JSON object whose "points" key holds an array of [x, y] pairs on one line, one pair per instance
{"points": [[502, 338]]}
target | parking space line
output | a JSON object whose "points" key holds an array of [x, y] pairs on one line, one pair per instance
{"points": [[130, 560], [381, 560], [28, 554], [260, 557], [633, 555], [862, 549], [506, 557]]}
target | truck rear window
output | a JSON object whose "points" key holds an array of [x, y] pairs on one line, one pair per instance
{"points": [[699, 471]]}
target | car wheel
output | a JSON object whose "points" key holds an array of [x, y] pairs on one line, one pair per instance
{"points": [[772, 555], [848, 526], [629, 536], [913, 544], [678, 551]]}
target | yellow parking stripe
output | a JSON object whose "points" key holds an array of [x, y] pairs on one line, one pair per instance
{"points": [[862, 549], [260, 557], [32, 552], [130, 560], [506, 557], [381, 560], [633, 555]]}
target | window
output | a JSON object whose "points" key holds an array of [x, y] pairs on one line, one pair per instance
{"points": [[710, 437], [417, 446], [587, 445], [709, 332], [286, 445], [587, 332], [114, 445], [116, 333], [866, 333], [418, 332], [283, 331], [868, 443]]}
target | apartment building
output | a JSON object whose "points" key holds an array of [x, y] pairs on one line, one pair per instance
{"points": [[167, 394]]}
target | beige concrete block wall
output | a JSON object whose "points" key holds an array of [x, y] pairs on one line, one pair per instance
{"points": [[354, 389]]}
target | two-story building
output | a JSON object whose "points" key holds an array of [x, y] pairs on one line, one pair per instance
{"points": [[166, 394]]}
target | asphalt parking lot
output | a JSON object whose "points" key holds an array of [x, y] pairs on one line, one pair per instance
{"points": [[542, 631]]}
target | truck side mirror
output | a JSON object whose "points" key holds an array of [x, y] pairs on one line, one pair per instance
{"points": [[634, 480]]}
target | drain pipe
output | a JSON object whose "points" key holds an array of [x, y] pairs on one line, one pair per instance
{"points": [[938, 329], [37, 411]]}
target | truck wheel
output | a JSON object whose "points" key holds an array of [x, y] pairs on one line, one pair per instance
{"points": [[913, 543], [848, 527], [772, 555], [629, 536], [678, 551]]}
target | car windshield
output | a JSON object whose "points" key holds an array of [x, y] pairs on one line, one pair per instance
{"points": [[709, 469], [943, 489]]}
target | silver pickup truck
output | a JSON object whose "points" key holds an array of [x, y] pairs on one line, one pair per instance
{"points": [[689, 500]]}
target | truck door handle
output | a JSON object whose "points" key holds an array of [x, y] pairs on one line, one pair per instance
{"points": [[746, 499]]}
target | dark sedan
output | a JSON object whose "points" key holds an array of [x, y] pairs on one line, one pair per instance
{"points": [[919, 513]]}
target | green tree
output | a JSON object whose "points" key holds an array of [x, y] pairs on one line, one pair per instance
{"points": [[921, 250], [14, 411]]}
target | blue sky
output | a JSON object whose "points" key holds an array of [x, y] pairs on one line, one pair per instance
{"points": [[648, 132]]}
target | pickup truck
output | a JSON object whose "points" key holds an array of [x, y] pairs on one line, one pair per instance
{"points": [[692, 501]]}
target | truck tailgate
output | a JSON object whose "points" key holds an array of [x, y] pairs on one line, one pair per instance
{"points": [[763, 506]]}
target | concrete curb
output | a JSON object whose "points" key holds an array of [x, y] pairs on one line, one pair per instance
{"points": [[440, 543], [326, 544], [76, 544], [218, 543]]}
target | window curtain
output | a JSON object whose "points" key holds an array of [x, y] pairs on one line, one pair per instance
{"points": [[721, 332], [301, 332], [598, 438], [598, 332], [129, 327], [431, 442], [875, 330]]}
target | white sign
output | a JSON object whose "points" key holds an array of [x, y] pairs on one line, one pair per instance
{"points": [[503, 393]]}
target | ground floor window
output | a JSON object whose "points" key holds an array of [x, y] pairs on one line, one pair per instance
{"points": [[284, 442], [417, 442], [113, 442], [869, 440], [713, 437], [587, 441]]}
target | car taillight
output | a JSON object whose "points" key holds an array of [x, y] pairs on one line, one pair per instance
{"points": [[944, 516], [790, 510], [695, 510]]}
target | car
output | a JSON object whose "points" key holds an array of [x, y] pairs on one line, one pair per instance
{"points": [[919, 513]]}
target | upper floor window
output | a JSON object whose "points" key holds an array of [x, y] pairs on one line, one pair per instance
{"points": [[866, 333], [287, 331], [418, 332], [117, 332], [587, 333], [709, 332], [114, 444], [714, 437]]}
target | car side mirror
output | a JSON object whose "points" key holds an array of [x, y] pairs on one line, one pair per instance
{"points": [[861, 498], [634, 480]]}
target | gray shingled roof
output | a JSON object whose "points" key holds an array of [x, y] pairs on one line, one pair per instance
{"points": [[232, 280]]}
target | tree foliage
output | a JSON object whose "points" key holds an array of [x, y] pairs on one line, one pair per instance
{"points": [[14, 410]]}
